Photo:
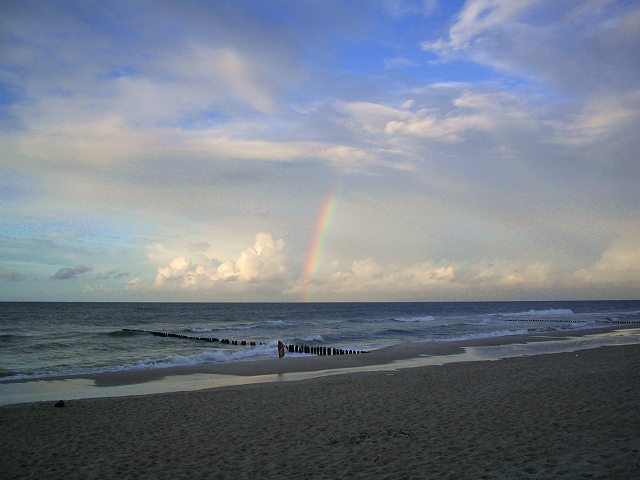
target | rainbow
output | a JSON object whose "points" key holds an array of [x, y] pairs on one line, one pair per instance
{"points": [[317, 241]]}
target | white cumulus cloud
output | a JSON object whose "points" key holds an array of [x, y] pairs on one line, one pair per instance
{"points": [[618, 264], [426, 279], [265, 261]]}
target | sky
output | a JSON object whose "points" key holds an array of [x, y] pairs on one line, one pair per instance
{"points": [[303, 150]]}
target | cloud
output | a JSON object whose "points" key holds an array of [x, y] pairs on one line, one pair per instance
{"points": [[116, 274], [236, 119], [579, 46], [617, 270], [369, 117], [442, 280], [200, 246], [351, 159], [439, 116], [97, 288], [477, 18], [263, 263], [208, 78], [217, 59], [135, 284], [228, 70], [11, 276], [69, 273], [97, 142], [114, 148], [622, 255], [502, 273], [450, 129], [619, 264], [599, 118]]}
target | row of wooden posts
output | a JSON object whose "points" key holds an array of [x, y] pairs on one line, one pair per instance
{"points": [[550, 320], [187, 337], [619, 322], [308, 349], [314, 350]]}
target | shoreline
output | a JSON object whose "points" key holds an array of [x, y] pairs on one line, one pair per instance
{"points": [[393, 358], [562, 415]]}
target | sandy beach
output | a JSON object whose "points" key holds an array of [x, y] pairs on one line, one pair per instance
{"points": [[567, 415]]}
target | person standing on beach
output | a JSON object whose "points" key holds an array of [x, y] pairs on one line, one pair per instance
{"points": [[280, 349]]}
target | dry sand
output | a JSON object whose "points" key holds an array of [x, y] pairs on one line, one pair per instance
{"points": [[569, 415]]}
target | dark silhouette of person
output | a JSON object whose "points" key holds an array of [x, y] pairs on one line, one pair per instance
{"points": [[280, 349]]}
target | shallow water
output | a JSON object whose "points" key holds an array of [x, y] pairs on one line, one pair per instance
{"points": [[77, 388], [38, 340]]}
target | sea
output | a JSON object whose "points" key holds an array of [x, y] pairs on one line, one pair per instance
{"points": [[40, 340]]}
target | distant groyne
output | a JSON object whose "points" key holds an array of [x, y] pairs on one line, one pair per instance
{"points": [[291, 348], [608, 321]]}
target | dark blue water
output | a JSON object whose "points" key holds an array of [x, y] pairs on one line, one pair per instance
{"points": [[44, 339]]}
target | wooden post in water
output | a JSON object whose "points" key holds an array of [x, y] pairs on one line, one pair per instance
{"points": [[292, 348]]}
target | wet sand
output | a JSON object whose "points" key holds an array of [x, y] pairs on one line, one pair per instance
{"points": [[567, 415]]}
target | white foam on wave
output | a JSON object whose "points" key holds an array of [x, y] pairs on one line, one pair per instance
{"points": [[213, 356], [265, 324], [552, 312], [200, 330], [313, 338], [479, 336], [268, 350], [528, 331], [425, 318], [239, 326], [579, 326], [632, 314]]}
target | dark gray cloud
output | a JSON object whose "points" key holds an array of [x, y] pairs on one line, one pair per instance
{"points": [[12, 276], [115, 274], [69, 273]]}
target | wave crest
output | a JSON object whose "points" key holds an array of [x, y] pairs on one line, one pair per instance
{"points": [[552, 312], [268, 350], [312, 338], [425, 318], [239, 326]]}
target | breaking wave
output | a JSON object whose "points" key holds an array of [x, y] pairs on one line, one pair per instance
{"points": [[240, 326], [552, 312], [426, 318], [268, 350], [313, 338]]}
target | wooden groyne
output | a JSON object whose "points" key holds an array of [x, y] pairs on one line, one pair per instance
{"points": [[315, 350], [188, 337], [619, 322], [307, 349], [608, 321]]}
